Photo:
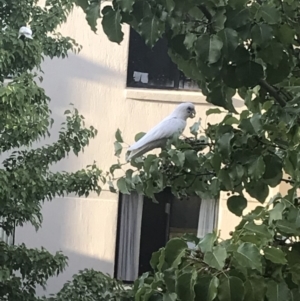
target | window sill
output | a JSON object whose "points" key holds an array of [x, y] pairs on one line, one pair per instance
{"points": [[170, 96]]}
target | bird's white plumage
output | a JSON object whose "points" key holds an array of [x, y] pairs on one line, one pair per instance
{"points": [[25, 31], [174, 124]]}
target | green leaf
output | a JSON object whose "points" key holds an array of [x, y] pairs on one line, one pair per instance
{"points": [[174, 251], [273, 170], [269, 14], [285, 227], [208, 48], [216, 258], [255, 289], [237, 17], [259, 230], [126, 5], [138, 136], [276, 213], [169, 297], [278, 73], [213, 111], [224, 146], [122, 186], [194, 129], [277, 291], [258, 190], [170, 279], [151, 28], [111, 24], [93, 14], [295, 271], [256, 168], [170, 5], [249, 73], [261, 34], [118, 148], [178, 158], [275, 255], [236, 204], [206, 287], [231, 289], [185, 285], [230, 40], [207, 242], [118, 136], [82, 3], [114, 167], [248, 256], [286, 34]]}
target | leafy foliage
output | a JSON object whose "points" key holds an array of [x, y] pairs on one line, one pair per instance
{"points": [[25, 175], [91, 285], [228, 47]]}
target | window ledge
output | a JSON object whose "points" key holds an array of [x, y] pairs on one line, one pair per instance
{"points": [[170, 96]]}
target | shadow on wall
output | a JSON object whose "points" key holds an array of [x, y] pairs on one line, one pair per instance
{"points": [[83, 229], [55, 284]]}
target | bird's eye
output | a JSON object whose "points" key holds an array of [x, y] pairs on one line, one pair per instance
{"points": [[189, 108]]}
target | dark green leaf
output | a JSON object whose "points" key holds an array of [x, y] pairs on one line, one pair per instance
{"points": [[93, 14], [206, 287], [151, 28], [248, 255], [174, 251], [256, 168], [224, 146], [255, 289], [249, 73], [231, 289], [208, 48], [258, 190], [126, 5], [269, 14], [236, 204], [185, 285], [261, 34], [111, 24], [118, 148], [275, 255], [118, 136], [286, 227], [216, 258], [207, 242], [213, 111], [277, 291], [230, 40], [122, 186], [237, 17]]}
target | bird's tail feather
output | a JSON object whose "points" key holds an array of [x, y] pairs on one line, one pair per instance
{"points": [[146, 148]]}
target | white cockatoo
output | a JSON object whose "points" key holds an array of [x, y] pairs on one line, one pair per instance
{"points": [[26, 32], [174, 124]]}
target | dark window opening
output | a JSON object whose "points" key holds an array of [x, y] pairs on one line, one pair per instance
{"points": [[144, 227], [153, 68]]}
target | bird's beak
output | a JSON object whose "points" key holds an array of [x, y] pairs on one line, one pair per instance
{"points": [[193, 114]]}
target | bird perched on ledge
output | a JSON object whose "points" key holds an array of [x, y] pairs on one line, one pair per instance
{"points": [[174, 124]]}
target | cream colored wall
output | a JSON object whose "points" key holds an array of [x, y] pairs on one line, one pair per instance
{"points": [[95, 82]]}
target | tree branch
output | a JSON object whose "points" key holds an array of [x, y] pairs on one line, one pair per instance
{"points": [[205, 12], [272, 91]]}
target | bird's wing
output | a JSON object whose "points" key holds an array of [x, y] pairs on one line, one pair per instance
{"points": [[165, 129]]}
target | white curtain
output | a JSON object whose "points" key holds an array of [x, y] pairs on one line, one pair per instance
{"points": [[208, 216], [129, 237]]}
